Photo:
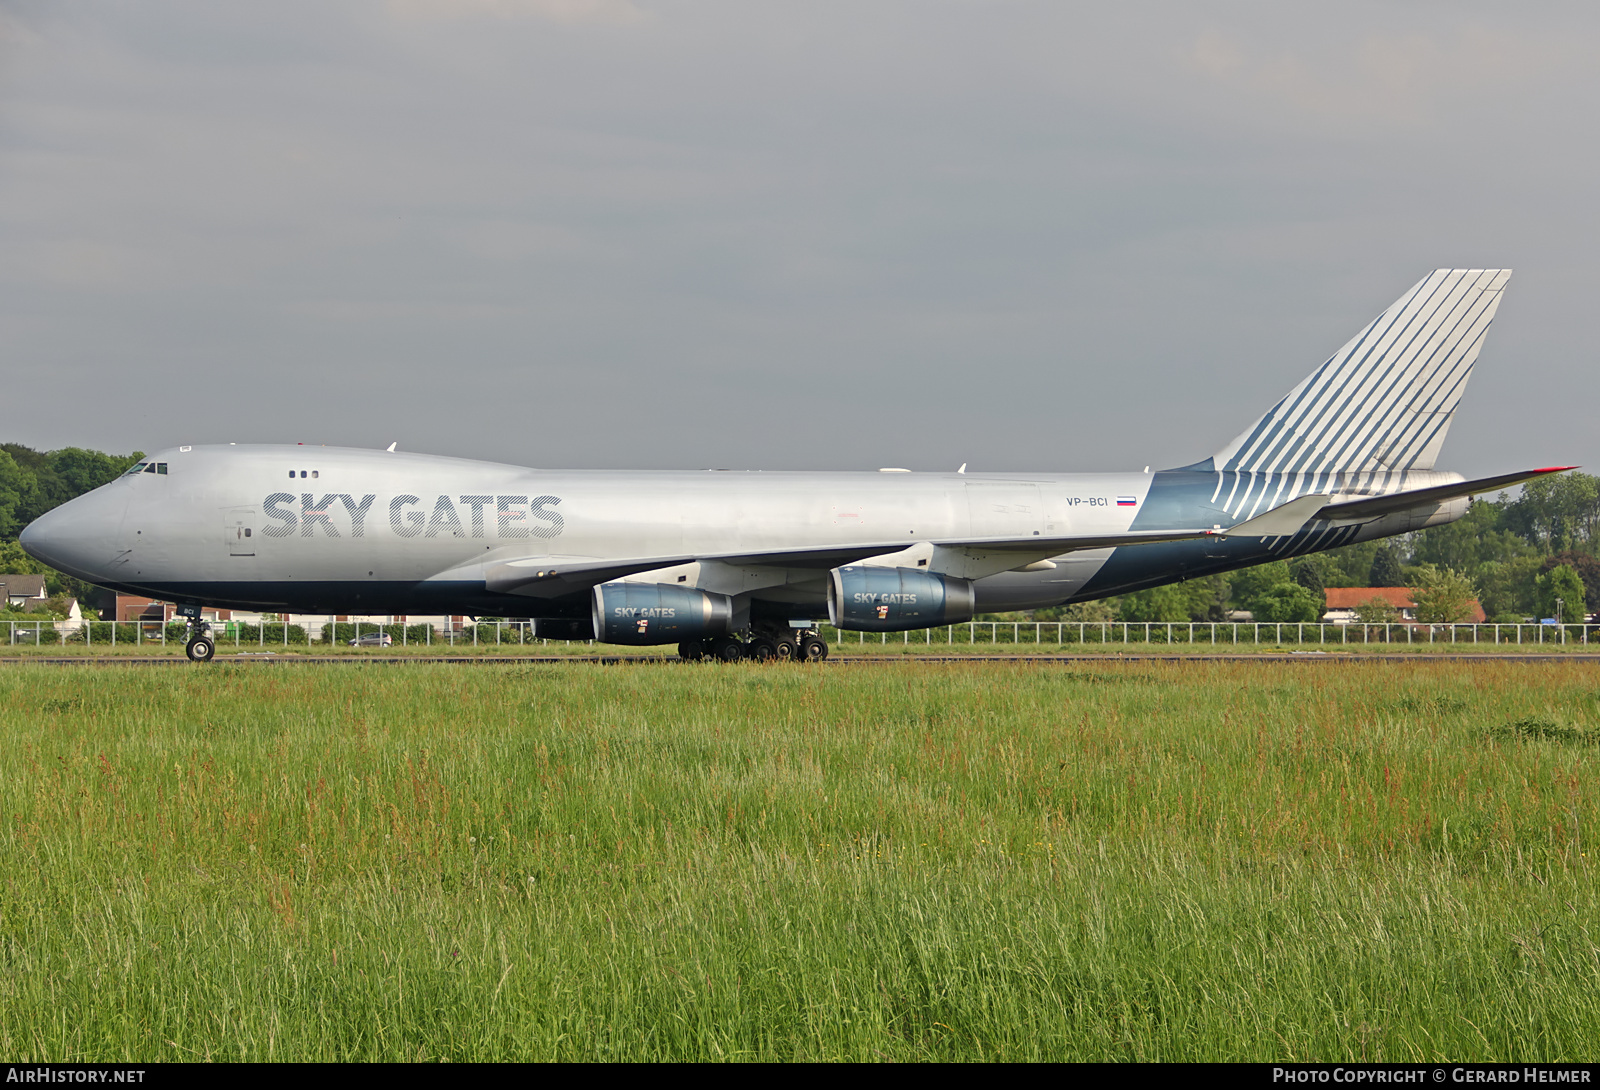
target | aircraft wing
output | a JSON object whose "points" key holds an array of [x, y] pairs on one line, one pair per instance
{"points": [[554, 577]]}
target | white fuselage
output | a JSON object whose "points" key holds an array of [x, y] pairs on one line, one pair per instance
{"points": [[342, 530]]}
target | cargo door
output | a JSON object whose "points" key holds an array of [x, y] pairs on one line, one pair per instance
{"points": [[238, 531]]}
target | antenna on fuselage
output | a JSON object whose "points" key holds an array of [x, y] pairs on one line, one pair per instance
{"points": [[391, 446], [963, 468]]}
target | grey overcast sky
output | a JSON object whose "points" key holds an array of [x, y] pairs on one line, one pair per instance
{"points": [[651, 234]]}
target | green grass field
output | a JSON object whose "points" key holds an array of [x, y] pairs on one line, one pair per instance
{"points": [[1190, 861]]}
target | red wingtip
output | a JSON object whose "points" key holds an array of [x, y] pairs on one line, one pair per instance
{"points": [[1555, 469]]}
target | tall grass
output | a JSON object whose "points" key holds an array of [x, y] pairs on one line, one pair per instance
{"points": [[1163, 861]]}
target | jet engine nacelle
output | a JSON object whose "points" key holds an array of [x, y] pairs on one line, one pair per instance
{"points": [[645, 613], [896, 599]]}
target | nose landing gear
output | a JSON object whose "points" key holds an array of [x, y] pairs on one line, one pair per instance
{"points": [[199, 646]]}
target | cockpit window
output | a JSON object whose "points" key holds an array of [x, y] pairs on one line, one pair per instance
{"points": [[136, 469], [147, 467]]}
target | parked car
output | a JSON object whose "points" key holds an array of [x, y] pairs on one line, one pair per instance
{"points": [[373, 639]]}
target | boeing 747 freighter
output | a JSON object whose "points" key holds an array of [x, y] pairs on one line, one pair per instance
{"points": [[732, 565]]}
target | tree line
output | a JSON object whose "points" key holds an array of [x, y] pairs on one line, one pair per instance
{"points": [[31, 483]]}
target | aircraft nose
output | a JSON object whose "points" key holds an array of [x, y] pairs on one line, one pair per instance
{"points": [[79, 537]]}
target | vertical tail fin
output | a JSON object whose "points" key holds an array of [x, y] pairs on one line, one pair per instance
{"points": [[1385, 400]]}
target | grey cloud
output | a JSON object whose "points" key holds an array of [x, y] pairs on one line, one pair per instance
{"points": [[832, 235]]}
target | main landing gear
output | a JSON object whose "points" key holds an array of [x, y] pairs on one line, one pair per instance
{"points": [[765, 642]]}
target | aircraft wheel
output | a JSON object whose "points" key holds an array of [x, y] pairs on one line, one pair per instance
{"points": [[813, 649], [726, 649], [691, 650], [760, 649], [784, 648], [200, 649]]}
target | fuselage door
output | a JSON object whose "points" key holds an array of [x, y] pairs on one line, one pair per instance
{"points": [[238, 530]]}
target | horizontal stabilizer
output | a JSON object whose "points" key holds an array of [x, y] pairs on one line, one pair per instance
{"points": [[1377, 506], [1290, 518], [1282, 521]]}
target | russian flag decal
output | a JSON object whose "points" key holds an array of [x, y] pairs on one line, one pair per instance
{"points": [[1127, 501]]}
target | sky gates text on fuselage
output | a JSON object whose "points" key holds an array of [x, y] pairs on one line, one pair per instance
{"points": [[514, 516]]}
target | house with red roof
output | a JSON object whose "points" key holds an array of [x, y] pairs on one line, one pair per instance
{"points": [[1342, 603]]}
